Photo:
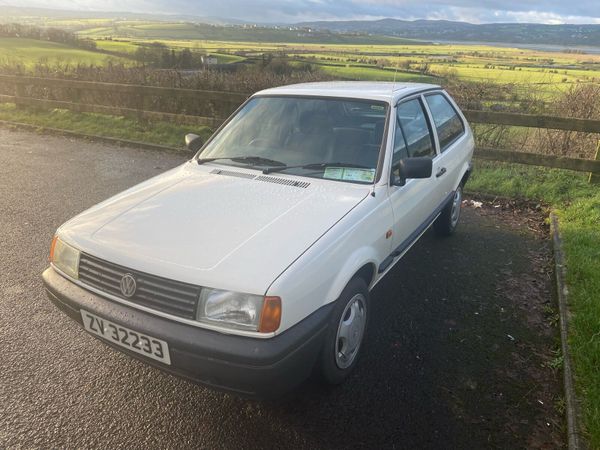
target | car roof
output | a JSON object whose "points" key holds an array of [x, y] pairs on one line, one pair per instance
{"points": [[369, 90]]}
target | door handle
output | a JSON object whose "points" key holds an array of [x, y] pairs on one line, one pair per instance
{"points": [[440, 172]]}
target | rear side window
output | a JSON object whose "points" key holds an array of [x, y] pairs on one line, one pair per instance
{"points": [[449, 125], [413, 134]]}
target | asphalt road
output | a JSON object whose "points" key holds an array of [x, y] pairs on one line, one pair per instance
{"points": [[458, 356]]}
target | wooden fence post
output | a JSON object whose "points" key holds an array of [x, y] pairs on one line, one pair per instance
{"points": [[75, 94], [140, 105], [19, 93], [595, 177]]}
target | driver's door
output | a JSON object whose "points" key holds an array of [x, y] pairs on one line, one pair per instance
{"points": [[413, 203]]}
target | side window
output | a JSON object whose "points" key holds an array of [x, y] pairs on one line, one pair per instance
{"points": [[449, 125], [413, 128], [400, 150]]}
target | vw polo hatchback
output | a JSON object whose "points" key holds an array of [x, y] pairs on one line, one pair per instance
{"points": [[248, 268]]}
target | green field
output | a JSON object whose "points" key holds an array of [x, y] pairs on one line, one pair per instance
{"points": [[341, 56], [379, 62], [374, 74], [466, 62], [28, 52], [129, 47], [125, 47]]}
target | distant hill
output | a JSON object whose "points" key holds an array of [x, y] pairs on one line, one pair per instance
{"points": [[97, 24], [384, 31], [38, 15], [243, 33], [516, 33]]}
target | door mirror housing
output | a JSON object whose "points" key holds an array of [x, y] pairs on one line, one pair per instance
{"points": [[420, 167], [193, 142]]}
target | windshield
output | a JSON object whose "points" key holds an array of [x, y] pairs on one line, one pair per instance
{"points": [[337, 139]]}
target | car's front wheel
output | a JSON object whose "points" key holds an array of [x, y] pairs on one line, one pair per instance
{"points": [[446, 223], [345, 333]]}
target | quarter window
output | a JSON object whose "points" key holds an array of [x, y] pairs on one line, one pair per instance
{"points": [[447, 122], [413, 135]]}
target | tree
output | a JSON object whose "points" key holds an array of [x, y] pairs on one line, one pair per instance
{"points": [[186, 60]]}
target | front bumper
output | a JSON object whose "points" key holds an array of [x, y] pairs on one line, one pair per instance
{"points": [[250, 366]]}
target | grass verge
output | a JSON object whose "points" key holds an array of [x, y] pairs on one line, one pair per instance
{"points": [[163, 133], [577, 204]]}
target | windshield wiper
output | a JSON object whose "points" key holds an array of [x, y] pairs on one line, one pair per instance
{"points": [[314, 166], [252, 160]]}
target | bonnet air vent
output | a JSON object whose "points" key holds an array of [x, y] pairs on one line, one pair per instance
{"points": [[231, 173], [249, 176], [284, 181]]}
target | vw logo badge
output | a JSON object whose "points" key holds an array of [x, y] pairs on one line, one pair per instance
{"points": [[128, 285]]}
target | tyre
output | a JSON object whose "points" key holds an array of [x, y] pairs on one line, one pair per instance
{"points": [[446, 223], [344, 337]]}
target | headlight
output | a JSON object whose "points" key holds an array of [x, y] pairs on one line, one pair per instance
{"points": [[239, 311], [64, 257]]}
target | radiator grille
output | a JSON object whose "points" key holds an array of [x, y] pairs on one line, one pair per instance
{"points": [[161, 294]]}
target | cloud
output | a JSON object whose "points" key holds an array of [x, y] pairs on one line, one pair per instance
{"points": [[543, 17], [476, 11]]}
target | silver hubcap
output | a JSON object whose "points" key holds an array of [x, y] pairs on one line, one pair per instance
{"points": [[350, 331], [456, 202]]}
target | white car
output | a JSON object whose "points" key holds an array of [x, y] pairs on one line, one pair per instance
{"points": [[249, 267]]}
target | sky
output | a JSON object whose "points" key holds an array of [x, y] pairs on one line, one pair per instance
{"points": [[290, 11]]}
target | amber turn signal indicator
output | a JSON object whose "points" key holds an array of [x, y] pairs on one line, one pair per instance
{"points": [[271, 315], [52, 245]]}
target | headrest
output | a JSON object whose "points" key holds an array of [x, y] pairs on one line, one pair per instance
{"points": [[351, 136], [314, 122]]}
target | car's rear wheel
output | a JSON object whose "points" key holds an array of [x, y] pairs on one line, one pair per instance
{"points": [[347, 328], [446, 223]]}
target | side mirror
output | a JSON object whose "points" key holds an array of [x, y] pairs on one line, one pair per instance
{"points": [[421, 167], [193, 142]]}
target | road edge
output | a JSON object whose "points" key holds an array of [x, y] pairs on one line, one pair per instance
{"points": [[91, 137], [574, 435]]}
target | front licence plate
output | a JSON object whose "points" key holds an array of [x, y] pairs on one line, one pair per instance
{"points": [[132, 340]]}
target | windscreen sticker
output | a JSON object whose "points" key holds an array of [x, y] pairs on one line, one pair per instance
{"points": [[333, 173], [365, 175], [350, 174]]}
